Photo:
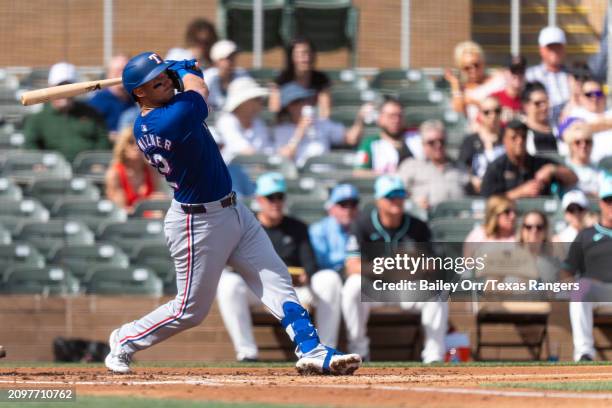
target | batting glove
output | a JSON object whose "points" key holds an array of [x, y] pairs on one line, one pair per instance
{"points": [[178, 69]]}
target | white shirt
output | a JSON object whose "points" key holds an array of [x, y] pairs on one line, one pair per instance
{"points": [[236, 139], [602, 141], [588, 177], [556, 83], [318, 139], [216, 94]]}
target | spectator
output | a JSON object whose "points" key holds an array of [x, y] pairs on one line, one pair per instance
{"points": [[436, 178], [224, 71], [540, 135], [299, 134], [388, 223], [535, 237], [588, 261], [199, 39], [551, 72], [510, 97], [579, 140], [499, 224], [575, 206], [240, 126], [300, 60], [290, 239], [65, 125], [593, 111], [384, 152], [474, 84], [484, 145], [517, 174], [129, 178], [579, 75], [113, 101]]}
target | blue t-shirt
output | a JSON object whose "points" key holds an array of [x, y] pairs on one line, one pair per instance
{"points": [[110, 107], [176, 141], [329, 241]]}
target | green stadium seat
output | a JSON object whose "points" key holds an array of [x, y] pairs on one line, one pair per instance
{"points": [[330, 162], [363, 184], [80, 259], [307, 209], [48, 236], [452, 229], [9, 190], [464, 208], [93, 213], [14, 213], [156, 208], [263, 76], [411, 98], [257, 164], [92, 165], [548, 205], [22, 254], [11, 140], [349, 96], [26, 166], [50, 191], [345, 115], [390, 80], [124, 281], [164, 269], [132, 233], [49, 280], [305, 186], [606, 163], [346, 78]]}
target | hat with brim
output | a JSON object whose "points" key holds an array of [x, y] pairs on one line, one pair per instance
{"points": [[270, 183], [292, 92], [574, 197], [605, 186], [388, 186], [241, 90], [342, 192]]}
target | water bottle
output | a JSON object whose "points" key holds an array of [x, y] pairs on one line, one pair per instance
{"points": [[454, 357], [308, 111]]}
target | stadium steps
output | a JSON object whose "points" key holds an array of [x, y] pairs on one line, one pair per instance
{"points": [[491, 28]]}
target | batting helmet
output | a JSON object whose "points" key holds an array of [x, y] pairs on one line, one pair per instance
{"points": [[141, 69]]}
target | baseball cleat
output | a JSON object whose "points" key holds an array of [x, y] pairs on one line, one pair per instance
{"points": [[326, 360], [117, 361]]}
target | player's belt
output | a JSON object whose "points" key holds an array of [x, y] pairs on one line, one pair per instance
{"points": [[228, 201]]}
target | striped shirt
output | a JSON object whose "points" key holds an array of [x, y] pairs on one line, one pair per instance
{"points": [[556, 83]]}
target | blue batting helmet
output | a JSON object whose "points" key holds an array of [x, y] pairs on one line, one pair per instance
{"points": [[141, 69]]}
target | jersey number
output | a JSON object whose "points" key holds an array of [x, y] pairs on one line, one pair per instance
{"points": [[162, 166]]}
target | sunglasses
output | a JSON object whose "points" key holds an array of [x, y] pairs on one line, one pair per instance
{"points": [[488, 112], [470, 67], [574, 209], [348, 204], [585, 142], [594, 94], [537, 227], [435, 142], [276, 197]]}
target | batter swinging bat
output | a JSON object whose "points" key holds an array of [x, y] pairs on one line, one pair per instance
{"points": [[65, 91]]}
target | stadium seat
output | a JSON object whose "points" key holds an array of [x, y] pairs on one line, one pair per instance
{"points": [[348, 96], [49, 280], [411, 98], [80, 259], [305, 186], [9, 190], [363, 184], [390, 80], [306, 209], [345, 115], [132, 233], [138, 280], [93, 165], [257, 164], [48, 236], [464, 208], [93, 213], [346, 78], [330, 162], [26, 166], [11, 140], [452, 229], [548, 205], [14, 213], [606, 164], [49, 191], [22, 254], [156, 208], [164, 269], [263, 76], [5, 236]]}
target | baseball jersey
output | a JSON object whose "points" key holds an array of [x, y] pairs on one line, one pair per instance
{"points": [[176, 141], [590, 255]]}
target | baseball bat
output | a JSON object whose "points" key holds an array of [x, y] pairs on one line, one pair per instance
{"points": [[65, 91]]}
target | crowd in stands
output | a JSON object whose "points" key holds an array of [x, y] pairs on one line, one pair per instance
{"points": [[530, 132]]}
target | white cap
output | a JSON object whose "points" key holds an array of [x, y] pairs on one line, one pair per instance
{"points": [[241, 90], [222, 49], [62, 72], [551, 35], [179, 54], [574, 197]]}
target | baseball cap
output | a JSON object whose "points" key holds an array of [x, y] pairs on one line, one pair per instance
{"points": [[62, 72], [517, 64], [551, 35], [270, 183], [605, 186], [241, 90], [389, 186], [342, 192], [292, 92], [222, 49], [574, 197], [566, 125]]}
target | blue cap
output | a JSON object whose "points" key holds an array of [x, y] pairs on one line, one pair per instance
{"points": [[388, 186], [343, 192], [270, 183], [141, 69], [566, 124], [292, 92], [605, 186]]}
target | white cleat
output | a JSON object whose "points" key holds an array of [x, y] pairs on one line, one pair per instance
{"points": [[328, 361], [117, 361]]}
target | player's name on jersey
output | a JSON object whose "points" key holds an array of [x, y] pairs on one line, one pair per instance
{"points": [[148, 140]]}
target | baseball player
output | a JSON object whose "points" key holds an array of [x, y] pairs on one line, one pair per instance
{"points": [[205, 227]]}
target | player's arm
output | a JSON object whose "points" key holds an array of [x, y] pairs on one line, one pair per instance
{"points": [[187, 76], [192, 82]]}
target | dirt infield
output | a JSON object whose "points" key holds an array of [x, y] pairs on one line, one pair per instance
{"points": [[370, 387]]}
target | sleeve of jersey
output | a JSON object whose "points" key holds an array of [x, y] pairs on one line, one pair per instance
{"points": [[192, 103], [574, 262], [363, 158]]}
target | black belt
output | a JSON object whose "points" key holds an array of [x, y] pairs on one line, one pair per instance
{"points": [[230, 200]]}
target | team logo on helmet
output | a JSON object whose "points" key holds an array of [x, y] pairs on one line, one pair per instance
{"points": [[156, 58]]}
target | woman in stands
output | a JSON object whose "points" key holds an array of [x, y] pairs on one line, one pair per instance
{"points": [[129, 178], [300, 62], [473, 84], [534, 236], [579, 140], [499, 225]]}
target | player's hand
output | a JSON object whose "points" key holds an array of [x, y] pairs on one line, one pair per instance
{"points": [[178, 69]]}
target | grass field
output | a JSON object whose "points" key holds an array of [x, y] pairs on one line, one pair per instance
{"points": [[577, 386]]}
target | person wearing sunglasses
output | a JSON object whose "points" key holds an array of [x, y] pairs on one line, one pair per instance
{"points": [[540, 133], [575, 206], [290, 239], [473, 83], [389, 224], [435, 178], [480, 148], [579, 75], [589, 263], [517, 174], [578, 141]]}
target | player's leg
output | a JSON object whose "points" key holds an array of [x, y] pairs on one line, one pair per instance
{"points": [[356, 314], [234, 299], [434, 319], [581, 318], [326, 286], [267, 276]]}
